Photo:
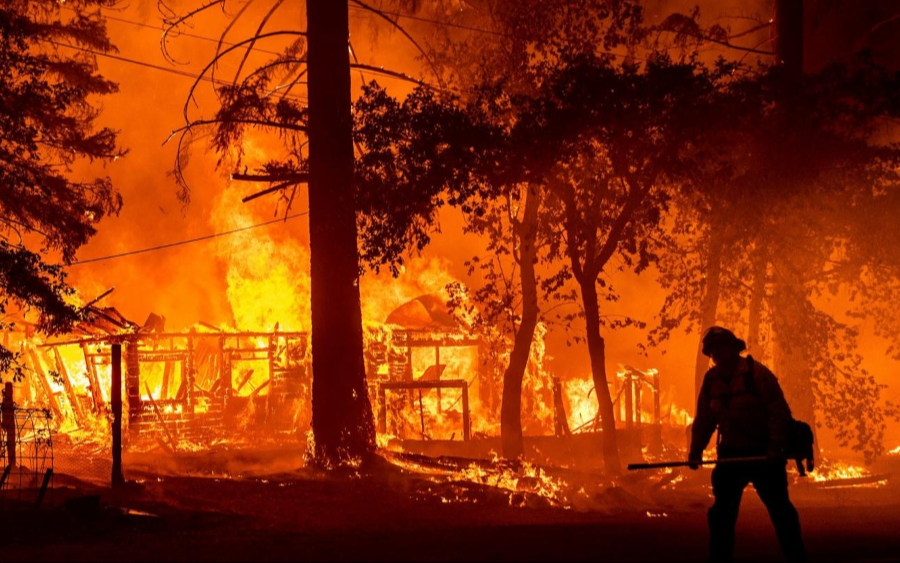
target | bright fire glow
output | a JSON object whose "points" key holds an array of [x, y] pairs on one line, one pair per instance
{"points": [[833, 473]]}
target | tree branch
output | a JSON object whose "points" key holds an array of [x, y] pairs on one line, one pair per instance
{"points": [[257, 122], [400, 28], [295, 178], [272, 189]]}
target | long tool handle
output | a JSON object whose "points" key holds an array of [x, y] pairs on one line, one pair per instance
{"points": [[704, 462]]}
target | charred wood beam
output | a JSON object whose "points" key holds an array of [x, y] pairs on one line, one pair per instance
{"points": [[93, 380], [391, 73], [99, 297], [67, 384], [115, 399], [252, 122], [41, 377], [266, 191], [133, 379], [296, 177], [173, 444]]}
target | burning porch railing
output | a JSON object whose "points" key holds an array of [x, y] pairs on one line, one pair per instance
{"points": [[181, 388]]}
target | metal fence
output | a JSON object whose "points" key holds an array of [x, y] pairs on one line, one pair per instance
{"points": [[26, 455]]}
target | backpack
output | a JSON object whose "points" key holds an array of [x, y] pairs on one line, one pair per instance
{"points": [[799, 434]]}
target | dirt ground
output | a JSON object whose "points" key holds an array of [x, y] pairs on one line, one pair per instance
{"points": [[426, 509]]}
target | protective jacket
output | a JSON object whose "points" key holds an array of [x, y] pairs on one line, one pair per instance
{"points": [[750, 413]]}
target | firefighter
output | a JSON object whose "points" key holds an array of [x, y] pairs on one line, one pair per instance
{"points": [[751, 415]]}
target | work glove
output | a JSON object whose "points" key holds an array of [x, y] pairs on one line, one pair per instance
{"points": [[694, 460]]}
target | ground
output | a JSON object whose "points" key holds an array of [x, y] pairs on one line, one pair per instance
{"points": [[414, 508]]}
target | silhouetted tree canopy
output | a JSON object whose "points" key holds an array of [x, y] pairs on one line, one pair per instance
{"points": [[48, 81], [789, 203]]}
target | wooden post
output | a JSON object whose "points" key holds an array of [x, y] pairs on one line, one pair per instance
{"points": [[225, 382], [8, 425], [133, 379], [629, 397], [382, 410], [437, 370], [115, 396], [271, 399], [409, 360], [188, 380], [657, 412], [637, 383], [560, 420], [656, 442], [467, 432]]}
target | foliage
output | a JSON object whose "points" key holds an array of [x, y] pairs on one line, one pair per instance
{"points": [[48, 79], [796, 182], [613, 142], [417, 155]]}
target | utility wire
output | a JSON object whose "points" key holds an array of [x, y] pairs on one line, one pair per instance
{"points": [[188, 241], [436, 22], [142, 63], [388, 74], [178, 34]]}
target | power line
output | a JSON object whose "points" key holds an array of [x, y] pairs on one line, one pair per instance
{"points": [[360, 8], [437, 22], [143, 63], [213, 40], [188, 241], [177, 34]]}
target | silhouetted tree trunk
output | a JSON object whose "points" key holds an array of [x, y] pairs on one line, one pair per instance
{"points": [[792, 311], [757, 297], [597, 350], [710, 302], [511, 408], [342, 422], [793, 358], [789, 40]]}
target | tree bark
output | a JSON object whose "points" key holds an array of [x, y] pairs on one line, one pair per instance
{"points": [[792, 358], [757, 298], [342, 422], [792, 309], [710, 302], [597, 351], [511, 407], [789, 40]]}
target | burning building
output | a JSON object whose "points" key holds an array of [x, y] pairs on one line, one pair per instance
{"points": [[435, 387]]}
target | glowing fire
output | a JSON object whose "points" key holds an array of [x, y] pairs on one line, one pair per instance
{"points": [[582, 404], [528, 479], [267, 272], [833, 472]]}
